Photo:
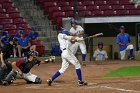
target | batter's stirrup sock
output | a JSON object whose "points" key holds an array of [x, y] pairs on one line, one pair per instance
{"points": [[131, 52], [78, 72], [55, 75], [83, 57]]}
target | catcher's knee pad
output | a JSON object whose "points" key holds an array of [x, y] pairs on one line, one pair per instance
{"points": [[38, 80], [11, 76]]}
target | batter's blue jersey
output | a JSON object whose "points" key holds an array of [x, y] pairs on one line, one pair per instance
{"points": [[123, 38]]}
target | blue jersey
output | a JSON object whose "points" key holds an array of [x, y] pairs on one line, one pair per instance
{"points": [[124, 39], [17, 35], [33, 35], [4, 36], [23, 41]]}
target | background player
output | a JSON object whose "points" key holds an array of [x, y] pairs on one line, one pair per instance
{"points": [[77, 30], [100, 54], [123, 40], [67, 57]]}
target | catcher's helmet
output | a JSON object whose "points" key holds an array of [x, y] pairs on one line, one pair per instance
{"points": [[65, 32], [32, 53]]}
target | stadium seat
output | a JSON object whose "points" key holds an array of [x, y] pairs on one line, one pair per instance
{"points": [[63, 4], [2, 10], [81, 8], [85, 13], [6, 21], [117, 7], [69, 14], [7, 5], [122, 12], [100, 2], [11, 32], [3, 15], [58, 14], [0, 6], [67, 8], [109, 13], [95, 7], [19, 20], [52, 9], [15, 15], [88, 3], [3, 1], [40, 48], [131, 7], [49, 4], [105, 7], [9, 27], [125, 2], [134, 12], [97, 13], [112, 2], [11, 10]]}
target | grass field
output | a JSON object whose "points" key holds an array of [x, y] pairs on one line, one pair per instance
{"points": [[124, 71]]}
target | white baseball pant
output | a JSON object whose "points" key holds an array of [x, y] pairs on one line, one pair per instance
{"points": [[81, 45], [29, 77], [122, 53], [68, 57]]}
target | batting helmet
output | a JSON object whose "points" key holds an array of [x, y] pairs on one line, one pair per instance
{"points": [[100, 43], [73, 22], [122, 27], [65, 32]]}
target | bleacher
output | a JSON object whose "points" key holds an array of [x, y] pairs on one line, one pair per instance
{"points": [[57, 9], [10, 18]]}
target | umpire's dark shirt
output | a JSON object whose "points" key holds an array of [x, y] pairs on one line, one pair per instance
{"points": [[7, 50]]}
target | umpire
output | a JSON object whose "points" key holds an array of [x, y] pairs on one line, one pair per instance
{"points": [[6, 51]]}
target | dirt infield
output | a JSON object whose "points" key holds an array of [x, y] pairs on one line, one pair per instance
{"points": [[67, 83]]}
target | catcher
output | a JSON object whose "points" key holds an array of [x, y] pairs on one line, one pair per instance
{"points": [[22, 67]]}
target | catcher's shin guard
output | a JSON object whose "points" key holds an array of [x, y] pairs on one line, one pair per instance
{"points": [[10, 77]]}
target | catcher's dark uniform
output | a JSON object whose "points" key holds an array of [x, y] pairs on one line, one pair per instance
{"points": [[25, 66]]}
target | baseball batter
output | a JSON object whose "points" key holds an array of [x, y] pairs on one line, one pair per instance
{"points": [[77, 30], [67, 57], [123, 40]]}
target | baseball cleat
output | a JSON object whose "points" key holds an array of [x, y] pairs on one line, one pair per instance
{"points": [[83, 63], [131, 58], [49, 82], [82, 83], [5, 83]]}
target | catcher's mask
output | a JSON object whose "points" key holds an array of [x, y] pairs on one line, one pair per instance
{"points": [[32, 53]]}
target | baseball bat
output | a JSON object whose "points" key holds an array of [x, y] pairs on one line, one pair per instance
{"points": [[98, 34]]}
